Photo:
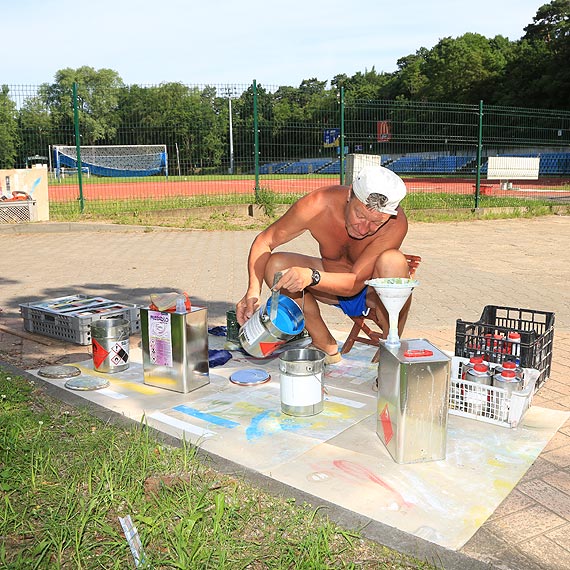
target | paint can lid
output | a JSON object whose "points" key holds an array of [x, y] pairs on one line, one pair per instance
{"points": [[87, 383], [59, 371], [250, 377]]}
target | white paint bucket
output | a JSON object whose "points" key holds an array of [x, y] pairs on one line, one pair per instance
{"points": [[260, 336], [302, 387], [110, 341]]}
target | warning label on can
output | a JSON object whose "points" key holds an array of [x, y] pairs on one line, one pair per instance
{"points": [[159, 338]]}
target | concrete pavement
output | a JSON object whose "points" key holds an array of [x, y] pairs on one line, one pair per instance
{"points": [[467, 265]]}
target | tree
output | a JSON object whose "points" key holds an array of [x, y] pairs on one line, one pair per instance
{"points": [[551, 23], [98, 96], [9, 139], [459, 70]]}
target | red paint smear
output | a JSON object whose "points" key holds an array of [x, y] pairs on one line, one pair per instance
{"points": [[360, 472]]}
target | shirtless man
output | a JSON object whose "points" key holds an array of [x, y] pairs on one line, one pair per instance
{"points": [[359, 229]]}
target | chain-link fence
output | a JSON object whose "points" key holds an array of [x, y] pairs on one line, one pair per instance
{"points": [[118, 148]]}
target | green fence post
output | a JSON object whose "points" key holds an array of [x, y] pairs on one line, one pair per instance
{"points": [[341, 149], [255, 140], [479, 149], [78, 147]]}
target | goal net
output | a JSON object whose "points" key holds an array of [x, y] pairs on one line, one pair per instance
{"points": [[115, 160]]}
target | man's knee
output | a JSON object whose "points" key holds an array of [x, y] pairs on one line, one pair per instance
{"points": [[391, 263], [277, 262]]}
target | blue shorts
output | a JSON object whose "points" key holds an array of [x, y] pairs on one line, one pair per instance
{"points": [[354, 306]]}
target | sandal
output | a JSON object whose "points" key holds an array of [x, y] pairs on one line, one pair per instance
{"points": [[329, 358], [333, 358]]}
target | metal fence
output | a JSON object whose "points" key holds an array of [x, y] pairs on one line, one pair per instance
{"points": [[240, 143]]}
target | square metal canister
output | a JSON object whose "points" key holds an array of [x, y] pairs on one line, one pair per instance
{"points": [[175, 349], [413, 401]]}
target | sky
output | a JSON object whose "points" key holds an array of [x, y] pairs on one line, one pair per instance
{"points": [[231, 42]]}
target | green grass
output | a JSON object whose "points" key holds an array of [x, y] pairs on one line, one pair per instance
{"points": [[66, 478], [184, 211]]}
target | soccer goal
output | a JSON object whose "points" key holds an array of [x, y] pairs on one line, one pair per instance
{"points": [[115, 160]]}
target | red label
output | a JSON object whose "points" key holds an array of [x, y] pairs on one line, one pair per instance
{"points": [[268, 347], [386, 424], [99, 354]]}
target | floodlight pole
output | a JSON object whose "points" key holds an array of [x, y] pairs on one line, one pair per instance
{"points": [[231, 137], [230, 92]]}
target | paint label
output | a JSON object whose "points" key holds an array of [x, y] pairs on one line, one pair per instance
{"points": [[99, 354], [301, 390], [254, 333], [120, 352], [159, 338]]}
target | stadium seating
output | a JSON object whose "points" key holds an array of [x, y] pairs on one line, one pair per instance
{"points": [[417, 164], [551, 163]]}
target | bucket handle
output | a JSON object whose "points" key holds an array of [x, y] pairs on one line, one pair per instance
{"points": [[275, 297], [275, 301]]}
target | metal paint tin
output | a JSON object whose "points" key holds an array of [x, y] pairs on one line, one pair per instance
{"points": [[515, 345], [477, 398], [413, 401], [302, 388], [509, 365], [110, 342], [508, 380], [473, 360], [260, 336], [232, 326], [479, 374], [175, 349]]}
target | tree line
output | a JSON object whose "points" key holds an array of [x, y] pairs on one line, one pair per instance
{"points": [[530, 72]]}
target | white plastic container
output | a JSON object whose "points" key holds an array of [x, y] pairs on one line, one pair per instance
{"points": [[502, 409]]}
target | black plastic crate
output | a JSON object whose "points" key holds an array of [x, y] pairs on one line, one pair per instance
{"points": [[489, 337]]}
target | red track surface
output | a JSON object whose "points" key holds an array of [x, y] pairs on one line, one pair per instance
{"points": [[163, 189]]}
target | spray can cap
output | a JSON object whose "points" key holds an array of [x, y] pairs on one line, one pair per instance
{"points": [[508, 374], [514, 336]]}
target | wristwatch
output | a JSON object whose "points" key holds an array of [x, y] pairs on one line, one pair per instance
{"points": [[316, 278]]}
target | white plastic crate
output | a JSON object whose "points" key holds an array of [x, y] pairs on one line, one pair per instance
{"points": [[69, 318], [17, 211], [488, 403]]}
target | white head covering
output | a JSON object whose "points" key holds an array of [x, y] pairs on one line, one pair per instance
{"points": [[388, 186]]}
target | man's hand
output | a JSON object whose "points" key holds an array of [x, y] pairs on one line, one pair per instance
{"points": [[246, 307], [295, 279]]}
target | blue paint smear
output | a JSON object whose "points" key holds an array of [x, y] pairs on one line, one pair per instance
{"points": [[217, 420], [34, 186], [255, 429]]}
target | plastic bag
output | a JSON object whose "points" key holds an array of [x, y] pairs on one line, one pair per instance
{"points": [[170, 302]]}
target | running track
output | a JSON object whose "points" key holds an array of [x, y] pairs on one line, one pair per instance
{"points": [[162, 189]]}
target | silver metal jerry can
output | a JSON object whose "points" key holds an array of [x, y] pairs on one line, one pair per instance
{"points": [[175, 349], [413, 401]]}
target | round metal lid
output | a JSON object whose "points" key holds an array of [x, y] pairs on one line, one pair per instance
{"points": [[250, 377], [87, 383], [59, 371]]}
